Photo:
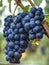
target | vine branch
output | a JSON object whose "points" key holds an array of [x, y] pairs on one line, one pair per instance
{"points": [[32, 4], [45, 26], [19, 3]]}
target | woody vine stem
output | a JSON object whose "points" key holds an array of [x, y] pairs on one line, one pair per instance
{"points": [[19, 3]]}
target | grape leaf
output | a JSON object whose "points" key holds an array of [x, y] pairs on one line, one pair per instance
{"points": [[47, 19], [26, 8], [37, 2]]}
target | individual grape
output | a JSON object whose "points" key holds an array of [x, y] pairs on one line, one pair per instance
{"points": [[38, 22], [6, 24], [10, 31], [10, 53], [33, 10], [11, 44], [21, 30], [23, 14], [31, 15], [37, 17], [39, 35], [43, 31], [17, 42], [19, 17], [10, 36], [16, 36], [8, 58], [40, 9], [16, 31], [42, 17], [26, 18], [27, 26], [38, 13], [23, 36], [21, 50], [30, 31], [16, 47], [12, 26], [32, 36], [36, 29], [23, 22], [5, 33], [32, 23], [6, 52], [17, 55], [8, 20], [18, 25], [23, 43]]}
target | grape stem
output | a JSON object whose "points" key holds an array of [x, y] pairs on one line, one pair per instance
{"points": [[45, 26], [10, 7], [32, 4], [19, 3], [14, 11]]}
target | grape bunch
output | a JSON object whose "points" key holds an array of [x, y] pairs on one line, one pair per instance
{"points": [[16, 38], [19, 30], [33, 23]]}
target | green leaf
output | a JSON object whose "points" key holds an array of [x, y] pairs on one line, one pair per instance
{"points": [[9, 1], [1, 3], [26, 8], [2, 10], [37, 2], [47, 19], [47, 1], [47, 8]]}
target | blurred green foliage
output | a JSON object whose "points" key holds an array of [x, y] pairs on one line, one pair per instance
{"points": [[1, 3], [2, 10], [37, 2], [2, 42]]}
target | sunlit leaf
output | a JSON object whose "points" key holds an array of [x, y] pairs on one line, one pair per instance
{"points": [[26, 8], [47, 19], [37, 2]]}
